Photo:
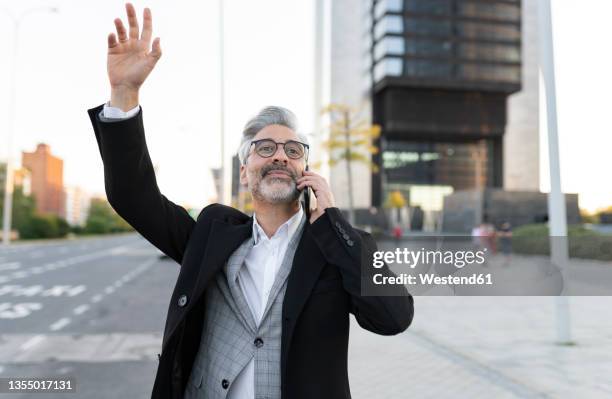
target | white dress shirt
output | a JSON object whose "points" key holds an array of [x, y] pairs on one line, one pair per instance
{"points": [[117, 113], [255, 277]]}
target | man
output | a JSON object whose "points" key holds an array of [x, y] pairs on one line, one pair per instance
{"points": [[261, 305]]}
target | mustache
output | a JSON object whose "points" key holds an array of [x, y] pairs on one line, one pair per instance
{"points": [[269, 168]]}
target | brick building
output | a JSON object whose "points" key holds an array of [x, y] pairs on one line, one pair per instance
{"points": [[47, 180]]}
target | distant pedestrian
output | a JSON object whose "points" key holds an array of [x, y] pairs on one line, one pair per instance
{"points": [[397, 233], [505, 241]]}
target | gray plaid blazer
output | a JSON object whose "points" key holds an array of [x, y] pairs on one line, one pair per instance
{"points": [[230, 332]]}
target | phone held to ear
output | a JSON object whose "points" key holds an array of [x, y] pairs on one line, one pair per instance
{"points": [[306, 193]]}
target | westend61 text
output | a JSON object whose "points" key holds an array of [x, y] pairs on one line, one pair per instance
{"points": [[431, 279]]}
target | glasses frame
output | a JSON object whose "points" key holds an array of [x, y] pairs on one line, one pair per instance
{"points": [[306, 148]]}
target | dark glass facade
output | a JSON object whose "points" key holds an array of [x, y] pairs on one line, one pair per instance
{"points": [[441, 74]]}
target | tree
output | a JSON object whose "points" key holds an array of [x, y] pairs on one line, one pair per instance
{"points": [[103, 219], [350, 140]]}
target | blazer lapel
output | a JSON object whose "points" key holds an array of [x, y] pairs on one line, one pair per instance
{"points": [[308, 262], [223, 239]]}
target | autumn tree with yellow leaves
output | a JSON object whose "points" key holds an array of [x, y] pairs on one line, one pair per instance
{"points": [[351, 139]]}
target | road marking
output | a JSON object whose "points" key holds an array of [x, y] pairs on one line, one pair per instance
{"points": [[60, 290], [32, 342], [61, 323], [18, 310], [91, 348], [10, 266], [96, 298], [80, 309], [115, 251]]}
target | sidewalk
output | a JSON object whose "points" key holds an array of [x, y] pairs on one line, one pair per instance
{"points": [[489, 347]]}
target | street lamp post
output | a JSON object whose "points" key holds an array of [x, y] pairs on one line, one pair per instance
{"points": [[8, 185], [557, 219]]}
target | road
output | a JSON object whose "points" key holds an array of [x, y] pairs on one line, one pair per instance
{"points": [[90, 308]]}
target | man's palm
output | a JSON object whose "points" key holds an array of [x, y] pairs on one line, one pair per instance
{"points": [[129, 60]]}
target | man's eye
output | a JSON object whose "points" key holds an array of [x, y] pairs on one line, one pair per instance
{"points": [[266, 148]]}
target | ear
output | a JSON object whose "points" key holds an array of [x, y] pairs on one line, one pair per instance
{"points": [[243, 175]]}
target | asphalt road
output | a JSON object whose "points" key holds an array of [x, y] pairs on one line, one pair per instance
{"points": [[91, 309]]}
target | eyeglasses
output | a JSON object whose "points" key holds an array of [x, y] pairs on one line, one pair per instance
{"points": [[265, 148]]}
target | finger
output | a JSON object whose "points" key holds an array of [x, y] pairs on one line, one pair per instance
{"points": [[121, 32], [132, 20], [112, 40], [310, 179], [156, 51], [147, 26]]}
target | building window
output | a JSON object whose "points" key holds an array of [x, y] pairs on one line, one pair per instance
{"points": [[428, 47], [390, 24], [423, 68], [423, 26], [505, 12], [390, 45], [387, 6], [477, 30], [435, 7], [390, 66], [500, 73], [490, 52]]}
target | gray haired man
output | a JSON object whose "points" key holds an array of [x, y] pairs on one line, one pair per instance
{"points": [[261, 305]]}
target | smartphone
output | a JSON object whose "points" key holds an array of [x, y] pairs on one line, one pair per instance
{"points": [[306, 193]]}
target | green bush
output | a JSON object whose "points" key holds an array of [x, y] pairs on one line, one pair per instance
{"points": [[103, 219], [44, 226], [583, 243]]}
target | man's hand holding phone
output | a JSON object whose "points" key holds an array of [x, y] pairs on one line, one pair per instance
{"points": [[321, 190]]}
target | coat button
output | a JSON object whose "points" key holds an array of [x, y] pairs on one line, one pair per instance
{"points": [[225, 384], [338, 224], [182, 301], [158, 357], [350, 243], [258, 342], [345, 236]]}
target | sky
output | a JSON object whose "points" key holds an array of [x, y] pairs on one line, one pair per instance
{"points": [[268, 61]]}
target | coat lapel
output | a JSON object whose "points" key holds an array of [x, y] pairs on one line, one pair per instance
{"points": [[308, 262], [223, 240]]}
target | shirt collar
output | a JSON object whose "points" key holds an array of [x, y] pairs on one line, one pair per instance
{"points": [[290, 225]]}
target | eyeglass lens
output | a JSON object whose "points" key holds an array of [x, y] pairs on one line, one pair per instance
{"points": [[267, 148]]}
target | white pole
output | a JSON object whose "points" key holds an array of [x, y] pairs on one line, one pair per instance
{"points": [[557, 219], [225, 196], [319, 16], [8, 184]]}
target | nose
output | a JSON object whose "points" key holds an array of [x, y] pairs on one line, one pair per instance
{"points": [[280, 154]]}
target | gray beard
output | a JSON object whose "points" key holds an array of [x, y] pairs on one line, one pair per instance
{"points": [[267, 190]]}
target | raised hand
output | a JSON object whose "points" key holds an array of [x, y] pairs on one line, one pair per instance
{"points": [[130, 59]]}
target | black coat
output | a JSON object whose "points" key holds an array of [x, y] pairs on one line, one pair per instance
{"points": [[322, 288]]}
